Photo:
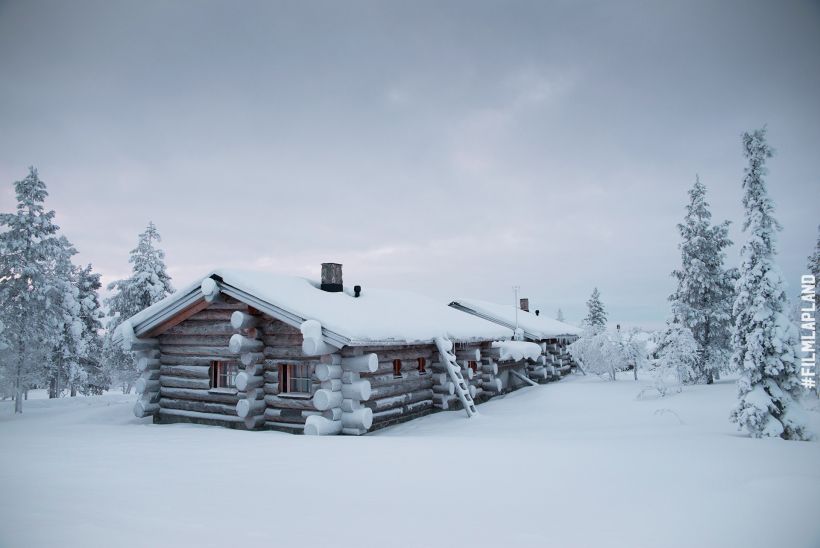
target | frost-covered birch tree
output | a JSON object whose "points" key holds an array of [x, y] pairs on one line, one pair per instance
{"points": [[28, 248], [605, 354], [591, 350], [677, 361], [764, 340], [595, 319], [632, 352], [149, 282], [703, 299]]}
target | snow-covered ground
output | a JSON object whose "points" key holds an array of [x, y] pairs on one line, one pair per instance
{"points": [[576, 463]]}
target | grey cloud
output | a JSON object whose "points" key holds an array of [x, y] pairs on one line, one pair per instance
{"points": [[453, 148]]}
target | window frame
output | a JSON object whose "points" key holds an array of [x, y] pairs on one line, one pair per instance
{"points": [[223, 375], [295, 380], [397, 369], [422, 365]]}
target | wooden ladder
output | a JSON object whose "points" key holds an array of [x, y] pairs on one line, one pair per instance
{"points": [[448, 357]]}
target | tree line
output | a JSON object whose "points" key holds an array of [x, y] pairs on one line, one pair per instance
{"points": [[54, 331], [722, 318]]}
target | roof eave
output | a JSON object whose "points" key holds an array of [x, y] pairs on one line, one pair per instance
{"points": [[161, 316], [195, 295], [496, 320]]}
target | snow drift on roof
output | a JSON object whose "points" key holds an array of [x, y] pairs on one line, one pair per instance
{"points": [[378, 315], [540, 326]]}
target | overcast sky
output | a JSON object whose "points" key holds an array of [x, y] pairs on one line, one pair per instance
{"points": [[452, 148]]}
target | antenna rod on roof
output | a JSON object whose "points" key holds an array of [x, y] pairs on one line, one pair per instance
{"points": [[515, 306]]}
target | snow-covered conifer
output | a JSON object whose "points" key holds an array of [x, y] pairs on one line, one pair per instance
{"points": [[560, 315], [28, 247], [595, 320], [764, 340], [69, 345], [704, 296], [149, 282], [88, 284]]}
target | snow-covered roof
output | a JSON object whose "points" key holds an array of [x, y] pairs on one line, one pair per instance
{"points": [[518, 350], [535, 327], [377, 316]]}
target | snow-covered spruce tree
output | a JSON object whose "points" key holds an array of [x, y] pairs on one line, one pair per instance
{"points": [[77, 354], [595, 320], [69, 347], [28, 247], [560, 315], [704, 296], [764, 340], [88, 284], [593, 347], [149, 282]]}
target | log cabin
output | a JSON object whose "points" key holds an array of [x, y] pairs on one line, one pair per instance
{"points": [[550, 335], [258, 351]]}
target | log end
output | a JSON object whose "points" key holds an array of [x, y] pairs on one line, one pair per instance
{"points": [[243, 408], [316, 425], [209, 287], [324, 399], [241, 383], [144, 409]]}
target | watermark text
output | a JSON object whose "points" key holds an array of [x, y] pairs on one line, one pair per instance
{"points": [[808, 331]]}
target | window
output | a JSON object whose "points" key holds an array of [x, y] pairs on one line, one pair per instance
{"points": [[295, 379], [422, 366], [223, 374], [473, 365], [396, 368]]}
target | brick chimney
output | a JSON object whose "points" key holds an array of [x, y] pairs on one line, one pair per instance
{"points": [[332, 277], [525, 305]]}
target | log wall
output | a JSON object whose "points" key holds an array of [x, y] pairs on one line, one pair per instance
{"points": [[398, 399], [186, 352], [283, 345], [187, 349]]}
